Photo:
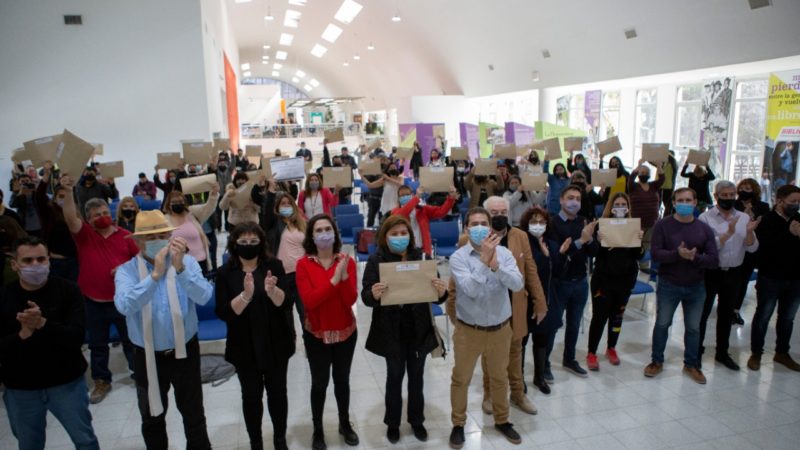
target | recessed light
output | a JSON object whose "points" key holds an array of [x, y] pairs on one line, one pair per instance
{"points": [[264, 56], [370, 46], [630, 33], [356, 57], [314, 82], [267, 47], [535, 75], [295, 80], [345, 63], [300, 74], [277, 66], [307, 88], [282, 55], [247, 73], [275, 73], [396, 17], [348, 11], [331, 33], [269, 16], [243, 1], [246, 66], [292, 18], [264, 62], [297, 2], [318, 50], [286, 39]]}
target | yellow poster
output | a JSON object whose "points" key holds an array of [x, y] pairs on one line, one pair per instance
{"points": [[783, 129]]}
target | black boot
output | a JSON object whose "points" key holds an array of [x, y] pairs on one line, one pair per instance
{"points": [[279, 442], [539, 360], [318, 440], [349, 434]]}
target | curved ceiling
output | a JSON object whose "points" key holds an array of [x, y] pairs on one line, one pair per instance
{"points": [[446, 46]]}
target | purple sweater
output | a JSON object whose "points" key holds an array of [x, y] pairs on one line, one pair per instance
{"points": [[668, 234]]}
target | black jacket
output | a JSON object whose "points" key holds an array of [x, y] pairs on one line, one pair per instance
{"points": [[616, 268], [396, 328], [272, 224]]}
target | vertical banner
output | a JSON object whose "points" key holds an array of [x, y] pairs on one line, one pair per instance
{"points": [[489, 135], [591, 116], [562, 111], [545, 130], [715, 120], [408, 135], [783, 128], [232, 103], [470, 139], [517, 133]]}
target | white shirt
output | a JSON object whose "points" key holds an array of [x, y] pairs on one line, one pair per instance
{"points": [[415, 229], [731, 254], [313, 205]]}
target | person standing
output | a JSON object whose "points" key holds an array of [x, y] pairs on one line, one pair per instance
{"points": [[144, 188], [22, 199], [556, 182], [392, 181], [243, 210], [749, 202], [670, 175], [304, 153], [645, 199], [699, 180], [326, 282], [154, 289], [735, 235], [402, 334], [252, 302], [483, 273], [519, 199], [778, 278], [127, 208], [314, 199], [188, 221], [89, 187], [55, 232], [685, 249], [420, 216], [102, 248], [42, 321]]}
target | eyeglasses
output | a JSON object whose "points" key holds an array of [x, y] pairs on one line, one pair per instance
{"points": [[254, 241]]}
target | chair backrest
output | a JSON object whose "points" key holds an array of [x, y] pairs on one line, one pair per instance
{"points": [[445, 233], [150, 205], [342, 210], [206, 312], [347, 222]]}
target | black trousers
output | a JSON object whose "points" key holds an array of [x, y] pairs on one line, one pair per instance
{"points": [[723, 284], [99, 318], [607, 308], [396, 367], [746, 271], [326, 358], [254, 382], [540, 341], [184, 376], [373, 209], [290, 290], [212, 249], [666, 200]]}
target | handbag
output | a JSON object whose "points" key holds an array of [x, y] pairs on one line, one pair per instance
{"points": [[365, 237], [441, 350]]}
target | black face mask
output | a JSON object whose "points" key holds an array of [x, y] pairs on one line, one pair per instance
{"points": [[644, 178], [499, 223], [128, 213], [142, 182], [223, 167], [178, 208], [745, 195], [248, 251], [240, 183], [726, 203], [392, 173], [90, 178]]}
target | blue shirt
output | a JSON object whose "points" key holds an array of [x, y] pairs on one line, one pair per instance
{"points": [[131, 296], [482, 295]]}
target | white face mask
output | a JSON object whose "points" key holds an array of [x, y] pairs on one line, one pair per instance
{"points": [[619, 211], [537, 229]]}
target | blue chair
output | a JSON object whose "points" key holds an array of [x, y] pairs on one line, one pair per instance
{"points": [[345, 210], [113, 335], [642, 288], [346, 224], [438, 311], [445, 235], [209, 326], [150, 205], [225, 257]]}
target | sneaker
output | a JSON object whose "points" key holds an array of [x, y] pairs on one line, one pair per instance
{"points": [[542, 385], [695, 374], [101, 389], [737, 319], [393, 434], [782, 358], [318, 440], [420, 432], [457, 437], [591, 362], [653, 369], [727, 361], [507, 430], [574, 367], [754, 362], [548, 375], [486, 406], [350, 436], [611, 354], [524, 404]]}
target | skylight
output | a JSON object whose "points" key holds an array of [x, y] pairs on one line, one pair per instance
{"points": [[318, 50], [247, 74], [282, 55], [331, 33], [295, 80], [307, 88], [292, 18], [297, 2], [348, 11], [286, 39], [314, 82], [246, 66], [277, 66], [300, 74]]}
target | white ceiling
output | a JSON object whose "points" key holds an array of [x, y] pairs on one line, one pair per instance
{"points": [[445, 46]]}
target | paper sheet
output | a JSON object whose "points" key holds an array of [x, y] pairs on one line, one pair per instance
{"points": [[170, 160], [573, 144], [698, 158], [655, 153], [283, 169], [485, 166], [252, 151], [113, 169], [622, 233], [370, 167], [405, 153], [332, 176], [505, 151], [534, 181], [334, 135], [73, 155], [436, 179], [459, 154], [197, 152], [408, 282], [610, 145], [552, 148], [197, 185], [43, 149], [604, 177]]}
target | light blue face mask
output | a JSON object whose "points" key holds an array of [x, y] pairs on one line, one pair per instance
{"points": [[404, 199], [286, 211], [477, 233], [398, 244], [151, 248], [684, 209]]}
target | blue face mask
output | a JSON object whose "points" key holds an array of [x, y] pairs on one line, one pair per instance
{"points": [[286, 211], [684, 209], [404, 199], [572, 206], [398, 244], [152, 248], [477, 233]]}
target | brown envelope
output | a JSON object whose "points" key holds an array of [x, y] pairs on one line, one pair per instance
{"points": [[436, 179], [197, 152], [610, 145], [698, 157], [373, 144], [170, 160], [534, 181], [620, 232], [242, 196], [408, 282], [222, 145], [655, 153], [370, 167], [334, 135], [197, 185], [332, 176], [573, 144], [505, 151], [22, 156], [605, 177], [252, 150], [98, 150], [43, 149], [114, 169], [73, 155], [485, 166], [405, 153], [459, 154], [552, 148]]}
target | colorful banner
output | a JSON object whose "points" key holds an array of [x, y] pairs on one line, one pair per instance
{"points": [[429, 136], [489, 135], [519, 134], [715, 120], [470, 139], [546, 130], [591, 109], [408, 134], [783, 128], [562, 110]]}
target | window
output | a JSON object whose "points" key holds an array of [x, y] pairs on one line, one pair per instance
{"points": [[576, 112], [750, 114], [645, 120], [609, 122], [688, 111]]}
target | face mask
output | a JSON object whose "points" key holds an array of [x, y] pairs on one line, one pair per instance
{"points": [[392, 173], [178, 208], [240, 184], [151, 248], [35, 275], [398, 244], [142, 182], [572, 206], [461, 169], [537, 229], [478, 233], [745, 195], [619, 212], [248, 251], [404, 199], [513, 188], [684, 209], [60, 202], [286, 211], [172, 180], [223, 167], [128, 213], [499, 223], [725, 203], [90, 178], [314, 185], [325, 240], [790, 210], [103, 222], [644, 178]]}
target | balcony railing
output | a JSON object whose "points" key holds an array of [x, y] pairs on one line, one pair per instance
{"points": [[256, 131]]}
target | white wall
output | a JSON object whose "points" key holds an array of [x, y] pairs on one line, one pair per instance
{"points": [[259, 103], [131, 77], [218, 37]]}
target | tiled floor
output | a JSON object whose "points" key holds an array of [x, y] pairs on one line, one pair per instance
{"points": [[611, 409]]}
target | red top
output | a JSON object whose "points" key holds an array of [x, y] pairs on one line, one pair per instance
{"points": [[328, 308], [328, 201], [424, 216], [98, 257]]}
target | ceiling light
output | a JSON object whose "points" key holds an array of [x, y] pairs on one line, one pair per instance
{"points": [[356, 57], [370, 46], [243, 1], [396, 17], [331, 33], [264, 62], [300, 74], [265, 57], [286, 39], [246, 66], [318, 50], [269, 17], [307, 88], [292, 18], [277, 66], [275, 73], [280, 54], [297, 2], [314, 82], [267, 47], [295, 80], [630, 33], [535, 75], [345, 63], [247, 74], [545, 53], [348, 11]]}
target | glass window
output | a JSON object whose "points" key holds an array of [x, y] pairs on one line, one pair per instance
{"points": [[609, 123], [576, 112], [645, 120], [688, 112], [750, 114]]}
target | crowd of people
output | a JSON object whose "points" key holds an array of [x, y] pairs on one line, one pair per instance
{"points": [[527, 264]]}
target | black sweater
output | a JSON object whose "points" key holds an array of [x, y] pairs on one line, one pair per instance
{"points": [[52, 355], [778, 248], [576, 258]]}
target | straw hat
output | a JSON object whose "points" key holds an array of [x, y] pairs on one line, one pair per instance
{"points": [[151, 222]]}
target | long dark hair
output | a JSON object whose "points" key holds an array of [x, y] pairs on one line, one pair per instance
{"points": [[308, 243], [236, 233]]}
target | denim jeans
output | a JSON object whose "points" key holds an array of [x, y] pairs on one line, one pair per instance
{"points": [[69, 403], [572, 295], [99, 317], [668, 297], [769, 293]]}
